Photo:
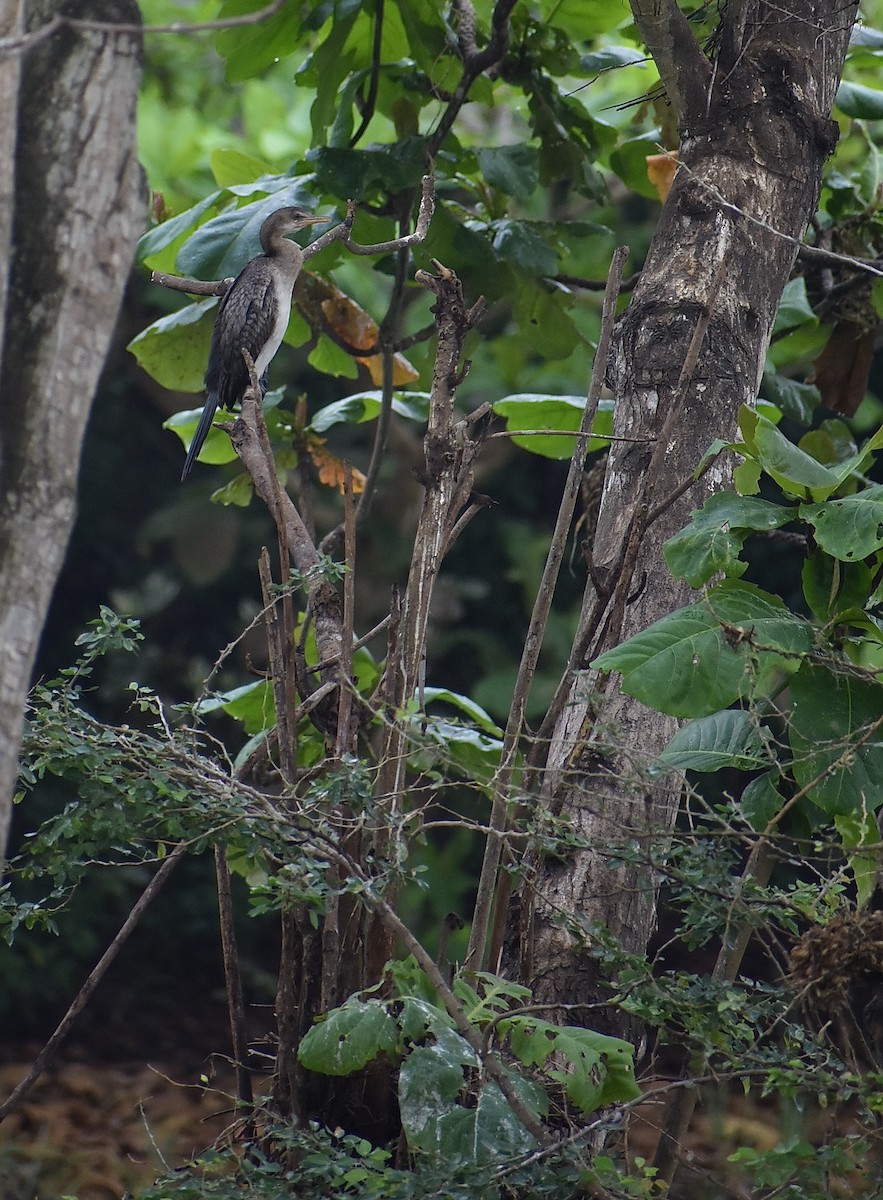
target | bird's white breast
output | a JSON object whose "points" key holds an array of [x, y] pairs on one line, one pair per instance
{"points": [[277, 333]]}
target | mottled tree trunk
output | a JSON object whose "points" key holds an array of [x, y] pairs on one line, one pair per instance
{"points": [[755, 133], [77, 207]]}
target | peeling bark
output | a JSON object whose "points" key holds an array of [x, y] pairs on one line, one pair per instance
{"points": [[78, 207], [752, 152]]}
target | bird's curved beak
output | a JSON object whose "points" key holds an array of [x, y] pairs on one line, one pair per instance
{"points": [[315, 220]]}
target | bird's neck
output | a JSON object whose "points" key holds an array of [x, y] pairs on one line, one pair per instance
{"points": [[286, 257]]}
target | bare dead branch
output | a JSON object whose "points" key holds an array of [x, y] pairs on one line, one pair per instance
{"points": [[194, 287], [424, 216]]}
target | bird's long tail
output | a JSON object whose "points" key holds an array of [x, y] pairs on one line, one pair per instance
{"points": [[202, 432]]}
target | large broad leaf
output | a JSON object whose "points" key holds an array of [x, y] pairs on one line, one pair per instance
{"points": [[543, 415], [761, 800], [849, 529], [222, 246], [158, 247], [796, 472], [713, 540], [451, 1128], [597, 1069], [726, 739], [365, 406], [348, 1038], [252, 704], [858, 101], [459, 746], [703, 658], [472, 710], [543, 320], [837, 756], [174, 349]]}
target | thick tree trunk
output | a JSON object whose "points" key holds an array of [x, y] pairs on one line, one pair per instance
{"points": [[78, 208], [755, 134]]}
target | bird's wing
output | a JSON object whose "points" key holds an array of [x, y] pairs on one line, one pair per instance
{"points": [[245, 320]]}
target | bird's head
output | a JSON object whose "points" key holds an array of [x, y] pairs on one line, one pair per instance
{"points": [[286, 220], [292, 219]]}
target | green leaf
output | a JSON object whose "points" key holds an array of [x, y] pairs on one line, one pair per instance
{"points": [[515, 170], [252, 705], [831, 716], [583, 20], [703, 658], [851, 528], [731, 738], [793, 469], [222, 246], [607, 57], [797, 401], [761, 801], [472, 710], [858, 830], [544, 322], [365, 406], [629, 161], [348, 1038], [537, 411], [250, 49], [474, 753], [217, 448], [520, 245], [235, 166], [858, 101], [599, 1069], [158, 247], [794, 307], [238, 493], [362, 174], [832, 587], [174, 350], [329, 358], [438, 1125], [714, 538]]}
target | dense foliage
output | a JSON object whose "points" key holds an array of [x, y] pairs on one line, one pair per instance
{"points": [[540, 167]]}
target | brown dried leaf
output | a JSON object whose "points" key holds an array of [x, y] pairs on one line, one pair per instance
{"points": [[843, 367], [327, 307], [332, 470]]}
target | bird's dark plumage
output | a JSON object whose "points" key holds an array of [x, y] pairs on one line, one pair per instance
{"points": [[253, 316]]}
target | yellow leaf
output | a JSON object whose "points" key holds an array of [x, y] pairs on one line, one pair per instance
{"points": [[661, 171]]}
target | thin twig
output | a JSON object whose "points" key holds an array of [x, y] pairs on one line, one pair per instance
{"points": [[539, 618], [233, 977], [345, 740], [46, 1055], [25, 41], [371, 98]]}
